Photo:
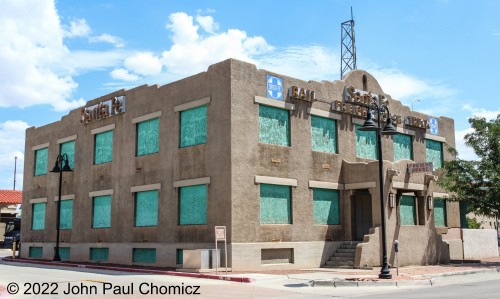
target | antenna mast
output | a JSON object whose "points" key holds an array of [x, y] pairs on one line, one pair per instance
{"points": [[348, 47]]}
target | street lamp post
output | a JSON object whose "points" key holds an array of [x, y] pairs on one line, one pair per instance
{"points": [[369, 125], [60, 168]]}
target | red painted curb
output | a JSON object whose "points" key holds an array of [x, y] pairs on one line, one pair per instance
{"points": [[133, 270]]}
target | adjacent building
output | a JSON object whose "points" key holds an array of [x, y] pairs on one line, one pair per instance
{"points": [[276, 160]]}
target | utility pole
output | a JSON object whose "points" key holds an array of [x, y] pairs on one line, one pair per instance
{"points": [[15, 166]]}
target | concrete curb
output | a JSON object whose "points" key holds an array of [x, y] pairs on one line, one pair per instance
{"points": [[346, 283], [468, 272], [132, 270]]}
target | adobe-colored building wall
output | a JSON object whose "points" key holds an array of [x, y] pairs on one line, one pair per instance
{"points": [[233, 158], [126, 170]]}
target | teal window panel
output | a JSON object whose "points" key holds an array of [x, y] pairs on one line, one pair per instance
{"points": [[66, 220], [41, 159], [326, 206], [38, 222], [103, 147], [101, 216], [439, 212], [180, 256], [403, 147], [144, 255], [193, 126], [275, 204], [274, 126], [323, 134], [193, 205], [99, 254], [68, 148], [366, 143], [64, 253], [434, 153], [147, 137], [35, 252], [146, 208], [407, 210]]}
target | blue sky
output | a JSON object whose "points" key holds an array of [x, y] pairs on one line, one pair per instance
{"points": [[55, 56]]}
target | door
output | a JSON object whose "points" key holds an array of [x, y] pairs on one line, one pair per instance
{"points": [[361, 215]]}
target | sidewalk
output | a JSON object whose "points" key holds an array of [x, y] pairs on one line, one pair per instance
{"points": [[410, 275]]}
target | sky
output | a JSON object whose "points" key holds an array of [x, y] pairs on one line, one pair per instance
{"points": [[439, 56]]}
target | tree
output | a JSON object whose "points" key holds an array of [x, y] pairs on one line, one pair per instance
{"points": [[477, 182]]}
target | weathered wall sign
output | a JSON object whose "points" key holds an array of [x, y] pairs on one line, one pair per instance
{"points": [[302, 94], [420, 167], [356, 103], [103, 109], [417, 122]]}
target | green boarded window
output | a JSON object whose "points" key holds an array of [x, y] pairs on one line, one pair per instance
{"points": [[180, 256], [144, 255], [147, 137], [275, 204], [193, 205], [66, 220], [439, 212], [323, 134], [64, 253], [193, 126], [103, 147], [274, 126], [101, 216], [99, 254], [38, 222], [403, 147], [366, 144], [68, 148], [41, 157], [36, 252], [407, 210], [434, 153], [146, 208], [326, 206]]}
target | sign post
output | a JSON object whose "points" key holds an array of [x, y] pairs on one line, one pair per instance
{"points": [[220, 235]]}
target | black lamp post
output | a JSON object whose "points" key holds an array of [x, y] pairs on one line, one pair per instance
{"points": [[60, 168], [389, 129]]}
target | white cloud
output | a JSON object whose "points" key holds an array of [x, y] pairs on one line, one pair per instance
{"points": [[406, 88], [144, 63], [124, 75], [107, 38], [464, 152], [305, 62], [481, 112], [192, 52], [76, 28], [32, 56], [12, 134], [207, 23]]}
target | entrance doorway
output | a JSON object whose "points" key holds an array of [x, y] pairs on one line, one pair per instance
{"points": [[361, 217]]}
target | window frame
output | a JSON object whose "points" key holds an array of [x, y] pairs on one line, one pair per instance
{"points": [[157, 208], [137, 125], [288, 127], [290, 205], [335, 130], [411, 149]]}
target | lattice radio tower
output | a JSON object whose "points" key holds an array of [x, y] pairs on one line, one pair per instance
{"points": [[348, 47]]}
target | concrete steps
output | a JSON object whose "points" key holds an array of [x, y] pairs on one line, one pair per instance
{"points": [[343, 256]]}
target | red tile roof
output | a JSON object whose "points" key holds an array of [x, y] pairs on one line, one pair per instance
{"points": [[11, 197]]}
